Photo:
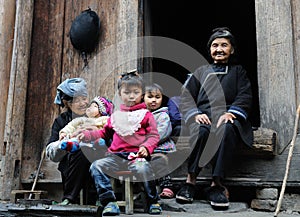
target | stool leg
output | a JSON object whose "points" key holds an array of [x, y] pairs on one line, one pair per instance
{"points": [[128, 196]]}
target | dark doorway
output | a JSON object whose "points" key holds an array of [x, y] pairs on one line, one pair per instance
{"points": [[191, 22]]}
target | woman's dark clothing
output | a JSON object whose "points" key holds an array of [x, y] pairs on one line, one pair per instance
{"points": [[213, 90], [74, 167]]}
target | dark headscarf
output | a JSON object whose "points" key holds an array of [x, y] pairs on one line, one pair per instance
{"points": [[69, 89], [222, 32]]}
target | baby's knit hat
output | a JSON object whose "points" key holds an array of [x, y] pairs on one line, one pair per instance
{"points": [[105, 105]]}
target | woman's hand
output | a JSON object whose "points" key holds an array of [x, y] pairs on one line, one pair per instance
{"points": [[202, 119], [225, 118], [143, 152]]}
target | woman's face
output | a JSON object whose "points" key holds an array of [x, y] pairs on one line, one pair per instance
{"points": [[131, 95], [220, 50], [153, 100], [79, 105], [93, 110]]}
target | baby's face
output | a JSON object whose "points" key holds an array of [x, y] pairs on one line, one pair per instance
{"points": [[93, 110]]}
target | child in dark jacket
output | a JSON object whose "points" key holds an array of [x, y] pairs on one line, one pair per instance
{"points": [[154, 101]]}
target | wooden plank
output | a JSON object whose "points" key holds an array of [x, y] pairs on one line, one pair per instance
{"points": [[45, 75], [296, 43], [15, 113], [7, 14], [15, 194], [7, 20], [276, 77]]}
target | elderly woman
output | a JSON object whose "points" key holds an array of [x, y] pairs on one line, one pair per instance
{"points": [[216, 103], [74, 167]]}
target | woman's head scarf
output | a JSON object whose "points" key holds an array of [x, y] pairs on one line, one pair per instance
{"points": [[222, 32], [70, 88]]}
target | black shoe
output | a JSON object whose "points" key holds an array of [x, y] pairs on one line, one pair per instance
{"points": [[216, 196], [186, 194]]}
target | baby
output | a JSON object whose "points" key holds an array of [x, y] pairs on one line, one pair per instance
{"points": [[97, 115]]}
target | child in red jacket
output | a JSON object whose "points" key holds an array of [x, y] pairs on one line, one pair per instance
{"points": [[134, 137]]}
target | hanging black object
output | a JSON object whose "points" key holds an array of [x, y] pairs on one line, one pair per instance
{"points": [[84, 32]]}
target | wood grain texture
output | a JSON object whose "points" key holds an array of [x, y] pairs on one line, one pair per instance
{"points": [[275, 67]]}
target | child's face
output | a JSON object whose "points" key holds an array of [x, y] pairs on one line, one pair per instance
{"points": [[131, 95], [93, 110], [153, 100]]}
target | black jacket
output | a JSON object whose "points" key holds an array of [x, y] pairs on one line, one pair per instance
{"points": [[215, 89]]}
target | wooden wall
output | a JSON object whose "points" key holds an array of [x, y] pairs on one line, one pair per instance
{"points": [[32, 69], [52, 60]]}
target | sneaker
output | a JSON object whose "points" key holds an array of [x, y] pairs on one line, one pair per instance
{"points": [[186, 194], [217, 198], [155, 209], [166, 193], [111, 209], [65, 202]]}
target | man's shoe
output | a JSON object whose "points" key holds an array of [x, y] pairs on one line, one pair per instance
{"points": [[216, 196], [186, 194]]}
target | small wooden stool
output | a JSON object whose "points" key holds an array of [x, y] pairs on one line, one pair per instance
{"points": [[126, 177], [36, 194]]}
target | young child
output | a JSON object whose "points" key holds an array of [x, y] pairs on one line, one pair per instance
{"points": [[96, 117], [178, 126], [134, 138], [154, 100]]}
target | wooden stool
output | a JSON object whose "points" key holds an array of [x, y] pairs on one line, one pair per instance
{"points": [[127, 202], [36, 194]]}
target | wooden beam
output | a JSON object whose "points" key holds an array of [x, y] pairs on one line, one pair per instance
{"points": [[16, 104], [7, 20], [276, 76]]}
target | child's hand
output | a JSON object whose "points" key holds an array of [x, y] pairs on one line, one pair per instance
{"points": [[77, 132], [62, 136], [143, 152], [80, 137]]}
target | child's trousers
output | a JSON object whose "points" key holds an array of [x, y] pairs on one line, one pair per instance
{"points": [[102, 169]]}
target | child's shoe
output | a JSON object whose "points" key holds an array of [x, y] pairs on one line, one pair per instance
{"points": [[155, 209], [70, 145], [166, 193], [111, 209]]}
